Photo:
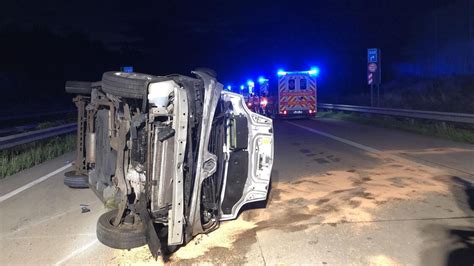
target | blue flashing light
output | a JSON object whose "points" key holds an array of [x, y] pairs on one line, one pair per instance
{"points": [[250, 83], [314, 71], [127, 69], [281, 72], [262, 80], [229, 87], [242, 87]]}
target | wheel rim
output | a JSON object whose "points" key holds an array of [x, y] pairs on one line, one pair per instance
{"points": [[125, 227], [134, 75]]}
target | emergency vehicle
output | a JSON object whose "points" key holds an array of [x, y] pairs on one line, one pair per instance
{"points": [[266, 99], [297, 92], [259, 100]]}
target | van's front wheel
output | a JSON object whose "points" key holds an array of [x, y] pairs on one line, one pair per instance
{"points": [[123, 236]]}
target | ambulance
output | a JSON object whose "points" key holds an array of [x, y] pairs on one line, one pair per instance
{"points": [[297, 93]]}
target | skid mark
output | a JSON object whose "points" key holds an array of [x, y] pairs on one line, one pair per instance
{"points": [[432, 151]]}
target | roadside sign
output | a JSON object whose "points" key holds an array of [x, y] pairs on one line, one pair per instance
{"points": [[372, 67], [370, 78], [372, 55], [374, 73]]}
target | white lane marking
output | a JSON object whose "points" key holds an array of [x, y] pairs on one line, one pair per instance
{"points": [[37, 181], [77, 252], [410, 160], [48, 236], [47, 219], [379, 153], [346, 141]]}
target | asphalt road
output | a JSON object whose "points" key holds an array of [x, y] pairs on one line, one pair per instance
{"points": [[342, 193]]}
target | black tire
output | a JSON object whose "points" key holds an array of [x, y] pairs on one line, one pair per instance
{"points": [[79, 87], [210, 72], [121, 237], [70, 173], [76, 181], [128, 85]]}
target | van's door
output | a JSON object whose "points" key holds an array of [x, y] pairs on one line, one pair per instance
{"points": [[249, 151]]}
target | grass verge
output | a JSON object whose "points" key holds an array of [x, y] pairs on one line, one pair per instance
{"points": [[21, 157], [460, 133]]}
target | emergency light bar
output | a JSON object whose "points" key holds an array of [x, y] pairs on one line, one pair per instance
{"points": [[261, 80], [250, 83], [281, 73], [314, 71]]}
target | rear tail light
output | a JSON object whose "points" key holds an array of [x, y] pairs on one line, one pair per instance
{"points": [[284, 112]]}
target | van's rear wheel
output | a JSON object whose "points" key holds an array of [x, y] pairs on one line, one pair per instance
{"points": [[123, 236], [73, 180]]}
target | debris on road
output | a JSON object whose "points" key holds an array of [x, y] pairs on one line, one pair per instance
{"points": [[223, 239], [84, 208], [345, 196]]}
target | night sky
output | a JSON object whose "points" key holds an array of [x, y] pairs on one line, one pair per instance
{"points": [[47, 42]]}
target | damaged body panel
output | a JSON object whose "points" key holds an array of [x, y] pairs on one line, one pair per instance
{"points": [[251, 182], [206, 161], [172, 156]]}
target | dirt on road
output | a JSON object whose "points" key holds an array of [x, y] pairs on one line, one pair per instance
{"points": [[351, 196]]}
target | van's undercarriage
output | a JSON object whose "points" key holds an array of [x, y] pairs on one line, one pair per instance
{"points": [[170, 155]]}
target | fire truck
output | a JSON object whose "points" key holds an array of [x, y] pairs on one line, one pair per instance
{"points": [[259, 100], [297, 92]]}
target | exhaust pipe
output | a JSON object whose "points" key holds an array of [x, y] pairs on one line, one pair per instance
{"points": [[90, 147]]}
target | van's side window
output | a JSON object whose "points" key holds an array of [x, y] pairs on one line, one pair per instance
{"points": [[291, 84], [303, 84]]}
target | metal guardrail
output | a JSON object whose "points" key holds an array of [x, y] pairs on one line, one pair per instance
{"points": [[22, 138], [35, 115], [429, 115], [17, 129]]}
